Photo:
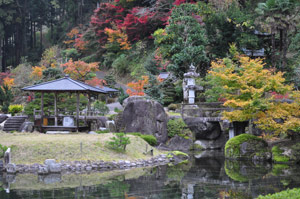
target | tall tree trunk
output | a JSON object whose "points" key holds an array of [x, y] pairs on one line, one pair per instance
{"points": [[285, 48], [41, 38], [273, 55], [34, 35]]}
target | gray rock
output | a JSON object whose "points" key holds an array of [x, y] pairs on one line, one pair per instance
{"points": [[211, 144], [1, 165], [132, 99], [203, 129], [88, 168], [11, 168], [147, 117], [43, 170], [93, 133], [49, 162], [54, 168], [180, 144], [27, 127]]}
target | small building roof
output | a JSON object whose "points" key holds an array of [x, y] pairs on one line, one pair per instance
{"points": [[64, 84], [109, 90], [164, 75], [254, 53]]}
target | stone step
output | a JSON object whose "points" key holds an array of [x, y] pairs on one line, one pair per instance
{"points": [[14, 123]]}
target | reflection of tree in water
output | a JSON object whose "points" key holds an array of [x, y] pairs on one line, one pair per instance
{"points": [[117, 188]]}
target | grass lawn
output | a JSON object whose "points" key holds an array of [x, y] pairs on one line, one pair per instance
{"points": [[30, 148]]}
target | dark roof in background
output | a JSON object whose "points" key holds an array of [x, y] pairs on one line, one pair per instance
{"points": [[164, 75], [64, 84], [107, 89]]}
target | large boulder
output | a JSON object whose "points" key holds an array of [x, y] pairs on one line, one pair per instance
{"points": [[147, 117], [205, 144], [27, 127], [246, 146], [132, 99], [203, 129], [180, 144]]}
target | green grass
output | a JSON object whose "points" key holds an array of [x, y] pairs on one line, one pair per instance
{"points": [[173, 114], [277, 155], [289, 193], [35, 147]]}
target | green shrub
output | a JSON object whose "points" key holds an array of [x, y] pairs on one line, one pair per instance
{"points": [[119, 142], [117, 110], [103, 131], [289, 193], [176, 127], [150, 139], [112, 117], [15, 108], [2, 150], [172, 107], [136, 134], [101, 107]]}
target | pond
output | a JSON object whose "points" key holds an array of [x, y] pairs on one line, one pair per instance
{"points": [[206, 175]]}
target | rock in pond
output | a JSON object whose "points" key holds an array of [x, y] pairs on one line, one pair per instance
{"points": [[180, 144], [246, 146]]}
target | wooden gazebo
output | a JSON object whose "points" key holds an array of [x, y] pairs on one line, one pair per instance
{"points": [[64, 85]]}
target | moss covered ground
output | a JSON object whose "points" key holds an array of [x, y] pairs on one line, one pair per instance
{"points": [[30, 148]]}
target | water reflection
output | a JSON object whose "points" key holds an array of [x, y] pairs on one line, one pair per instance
{"points": [[207, 175]]}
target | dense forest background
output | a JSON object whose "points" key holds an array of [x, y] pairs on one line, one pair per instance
{"points": [[133, 38]]}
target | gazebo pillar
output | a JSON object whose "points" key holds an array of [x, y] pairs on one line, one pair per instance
{"points": [[42, 110], [77, 110], [89, 104], [55, 109]]}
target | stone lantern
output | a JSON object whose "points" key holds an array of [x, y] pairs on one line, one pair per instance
{"points": [[189, 85]]}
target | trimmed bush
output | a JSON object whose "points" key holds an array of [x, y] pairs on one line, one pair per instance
{"points": [[15, 108], [150, 139], [172, 107], [176, 127]]}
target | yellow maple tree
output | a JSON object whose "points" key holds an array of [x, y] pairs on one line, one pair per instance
{"points": [[117, 37], [247, 86], [37, 72]]}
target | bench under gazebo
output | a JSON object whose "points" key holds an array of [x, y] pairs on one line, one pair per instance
{"points": [[64, 85]]}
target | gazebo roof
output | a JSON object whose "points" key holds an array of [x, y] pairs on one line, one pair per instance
{"points": [[64, 84]]}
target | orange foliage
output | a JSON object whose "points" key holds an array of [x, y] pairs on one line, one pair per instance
{"points": [[119, 37], [9, 82], [76, 39], [95, 82], [37, 72], [138, 87], [80, 70]]}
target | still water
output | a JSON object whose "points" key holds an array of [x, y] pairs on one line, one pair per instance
{"points": [[207, 175]]}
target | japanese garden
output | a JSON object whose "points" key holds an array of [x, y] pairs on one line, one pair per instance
{"points": [[138, 99]]}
